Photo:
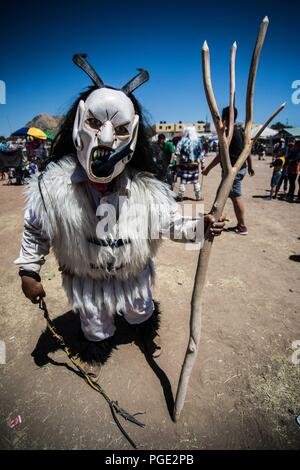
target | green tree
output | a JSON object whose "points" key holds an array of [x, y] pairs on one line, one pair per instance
{"points": [[278, 126]]}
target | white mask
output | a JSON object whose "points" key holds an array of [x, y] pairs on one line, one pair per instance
{"points": [[106, 126], [105, 133]]}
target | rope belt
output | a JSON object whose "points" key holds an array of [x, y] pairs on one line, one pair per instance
{"points": [[114, 406]]}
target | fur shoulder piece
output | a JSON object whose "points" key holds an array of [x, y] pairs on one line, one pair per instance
{"points": [[157, 192], [45, 191]]}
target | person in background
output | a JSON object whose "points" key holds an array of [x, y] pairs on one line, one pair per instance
{"points": [[235, 149], [167, 154], [157, 149], [278, 148], [31, 167], [214, 147], [41, 155], [172, 167], [261, 150], [284, 176], [278, 166], [293, 170], [11, 175], [189, 155], [19, 175], [29, 145]]}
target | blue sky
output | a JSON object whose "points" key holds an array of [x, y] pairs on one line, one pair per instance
{"points": [[38, 39]]}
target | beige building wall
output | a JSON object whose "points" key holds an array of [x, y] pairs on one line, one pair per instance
{"points": [[179, 127], [159, 128]]}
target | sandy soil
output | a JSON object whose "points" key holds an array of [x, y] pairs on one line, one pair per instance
{"points": [[244, 392]]}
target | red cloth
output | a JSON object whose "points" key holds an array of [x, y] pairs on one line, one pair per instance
{"points": [[101, 187]]}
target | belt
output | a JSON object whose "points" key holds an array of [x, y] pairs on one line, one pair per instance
{"points": [[109, 242]]}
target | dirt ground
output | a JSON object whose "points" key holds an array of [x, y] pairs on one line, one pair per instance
{"points": [[244, 391]]}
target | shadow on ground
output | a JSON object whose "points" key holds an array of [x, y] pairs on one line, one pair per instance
{"points": [[295, 258], [68, 326]]}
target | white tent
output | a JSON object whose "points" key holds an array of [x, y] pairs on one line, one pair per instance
{"points": [[267, 133]]}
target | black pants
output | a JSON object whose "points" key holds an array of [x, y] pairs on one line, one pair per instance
{"points": [[292, 181]]}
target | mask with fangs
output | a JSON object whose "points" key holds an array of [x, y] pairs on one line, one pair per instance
{"points": [[106, 126]]}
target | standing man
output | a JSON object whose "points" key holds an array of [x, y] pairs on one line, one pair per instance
{"points": [[168, 153], [293, 170], [163, 154], [235, 149], [157, 149]]}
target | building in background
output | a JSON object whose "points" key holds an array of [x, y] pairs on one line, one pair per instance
{"points": [[170, 129], [290, 133]]}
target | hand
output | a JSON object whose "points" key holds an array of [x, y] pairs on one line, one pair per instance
{"points": [[251, 172], [32, 289], [205, 171], [217, 227]]}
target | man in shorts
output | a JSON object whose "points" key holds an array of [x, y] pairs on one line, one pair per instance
{"points": [[235, 149]]}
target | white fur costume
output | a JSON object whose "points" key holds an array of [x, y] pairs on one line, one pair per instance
{"points": [[100, 280]]}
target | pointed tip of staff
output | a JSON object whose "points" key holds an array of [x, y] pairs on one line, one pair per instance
{"points": [[283, 105], [266, 19], [234, 44], [205, 46]]}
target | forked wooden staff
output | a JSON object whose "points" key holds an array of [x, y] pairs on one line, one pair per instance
{"points": [[229, 173]]}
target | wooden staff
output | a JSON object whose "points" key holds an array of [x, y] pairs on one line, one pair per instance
{"points": [[229, 173]]}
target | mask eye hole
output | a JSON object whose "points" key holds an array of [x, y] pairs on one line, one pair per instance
{"points": [[121, 130], [94, 123]]}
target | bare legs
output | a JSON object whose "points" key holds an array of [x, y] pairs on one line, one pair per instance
{"points": [[239, 210]]}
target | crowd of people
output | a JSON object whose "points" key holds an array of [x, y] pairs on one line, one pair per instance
{"points": [[286, 171], [183, 157], [35, 153]]}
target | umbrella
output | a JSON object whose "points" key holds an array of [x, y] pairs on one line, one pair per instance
{"points": [[31, 131]]}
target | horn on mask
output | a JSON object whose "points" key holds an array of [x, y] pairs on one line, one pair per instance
{"points": [[135, 82], [80, 61]]}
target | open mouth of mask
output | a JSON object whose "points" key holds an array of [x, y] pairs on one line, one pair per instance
{"points": [[101, 154], [103, 160], [99, 162]]}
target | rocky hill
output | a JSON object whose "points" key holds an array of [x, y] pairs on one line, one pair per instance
{"points": [[46, 122]]}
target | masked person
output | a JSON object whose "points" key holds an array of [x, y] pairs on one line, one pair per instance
{"points": [[189, 155], [93, 205]]}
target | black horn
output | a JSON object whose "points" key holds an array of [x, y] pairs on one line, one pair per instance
{"points": [[80, 61], [135, 82]]}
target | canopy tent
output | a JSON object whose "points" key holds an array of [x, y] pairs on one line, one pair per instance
{"points": [[267, 133]]}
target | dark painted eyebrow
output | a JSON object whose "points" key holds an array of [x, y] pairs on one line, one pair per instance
{"points": [[125, 124], [93, 115], [114, 115]]}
